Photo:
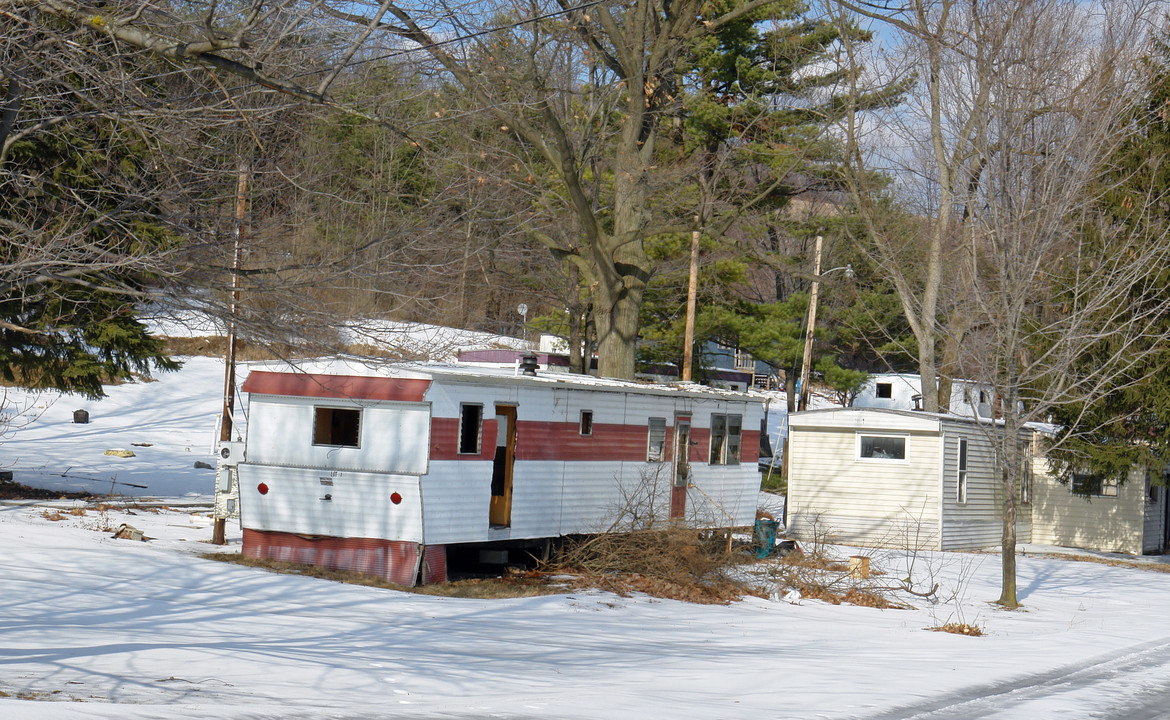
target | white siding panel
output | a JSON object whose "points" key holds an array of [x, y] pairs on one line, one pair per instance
{"points": [[723, 495], [1108, 524], [360, 504], [591, 495], [832, 494], [395, 437], [456, 495]]}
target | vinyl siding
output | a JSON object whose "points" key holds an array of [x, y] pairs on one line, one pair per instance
{"points": [[833, 494], [977, 523], [1108, 524]]}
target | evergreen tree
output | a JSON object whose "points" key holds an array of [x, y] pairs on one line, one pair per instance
{"points": [[1129, 424]]}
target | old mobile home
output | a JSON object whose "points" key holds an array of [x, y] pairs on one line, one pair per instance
{"points": [[382, 470], [899, 478]]}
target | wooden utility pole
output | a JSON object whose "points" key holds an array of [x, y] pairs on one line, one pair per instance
{"points": [[692, 295], [219, 532], [802, 401]]}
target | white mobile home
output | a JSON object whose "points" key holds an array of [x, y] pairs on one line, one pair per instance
{"points": [[381, 469], [903, 391], [1096, 513], [896, 478]]}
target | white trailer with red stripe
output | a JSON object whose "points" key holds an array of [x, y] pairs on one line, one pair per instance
{"points": [[381, 469]]}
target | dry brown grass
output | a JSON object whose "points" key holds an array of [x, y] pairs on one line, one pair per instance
{"points": [[959, 629], [1113, 562], [675, 562], [511, 585], [52, 515]]}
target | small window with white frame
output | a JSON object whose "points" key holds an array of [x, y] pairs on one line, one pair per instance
{"points": [[1026, 478], [882, 447], [586, 424], [961, 485], [656, 439]]}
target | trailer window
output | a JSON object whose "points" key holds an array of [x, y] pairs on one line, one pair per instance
{"points": [[656, 439], [961, 486], [336, 426], [885, 390], [470, 428], [881, 447], [726, 438], [586, 422], [1087, 485]]}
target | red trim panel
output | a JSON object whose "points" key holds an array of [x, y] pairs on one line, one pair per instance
{"points": [[749, 449], [445, 440], [336, 386], [536, 440], [701, 444], [395, 560]]}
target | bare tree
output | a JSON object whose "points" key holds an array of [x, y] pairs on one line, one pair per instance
{"points": [[1021, 112]]}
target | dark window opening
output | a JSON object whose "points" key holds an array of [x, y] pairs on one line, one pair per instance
{"points": [[470, 425], [336, 426], [586, 422], [1088, 485], [885, 390]]}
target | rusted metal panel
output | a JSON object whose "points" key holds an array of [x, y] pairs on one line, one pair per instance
{"points": [[395, 561]]}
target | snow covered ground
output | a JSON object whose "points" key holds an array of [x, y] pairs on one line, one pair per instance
{"points": [[132, 630]]}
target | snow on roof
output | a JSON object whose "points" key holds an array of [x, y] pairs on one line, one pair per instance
{"points": [[476, 373]]}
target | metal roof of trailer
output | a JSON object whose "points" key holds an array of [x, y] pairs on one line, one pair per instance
{"points": [[474, 374]]}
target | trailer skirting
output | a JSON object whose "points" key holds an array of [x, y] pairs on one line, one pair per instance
{"points": [[395, 560]]}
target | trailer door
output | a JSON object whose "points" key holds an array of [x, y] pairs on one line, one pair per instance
{"points": [[500, 511], [682, 466]]}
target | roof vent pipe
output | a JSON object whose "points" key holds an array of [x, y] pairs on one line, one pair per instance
{"points": [[528, 364]]}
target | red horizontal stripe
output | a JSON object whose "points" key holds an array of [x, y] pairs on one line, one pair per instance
{"points": [[336, 386], [445, 440]]}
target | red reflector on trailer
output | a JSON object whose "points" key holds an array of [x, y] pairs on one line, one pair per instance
{"points": [[262, 488], [395, 498]]}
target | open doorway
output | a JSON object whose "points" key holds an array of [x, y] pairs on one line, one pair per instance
{"points": [[682, 467], [500, 511]]}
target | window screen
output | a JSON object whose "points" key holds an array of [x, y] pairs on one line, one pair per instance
{"points": [[336, 426]]}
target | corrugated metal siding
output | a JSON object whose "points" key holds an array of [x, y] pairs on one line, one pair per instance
{"points": [[1108, 524], [394, 437], [832, 494], [550, 496], [393, 560], [723, 495], [360, 506]]}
